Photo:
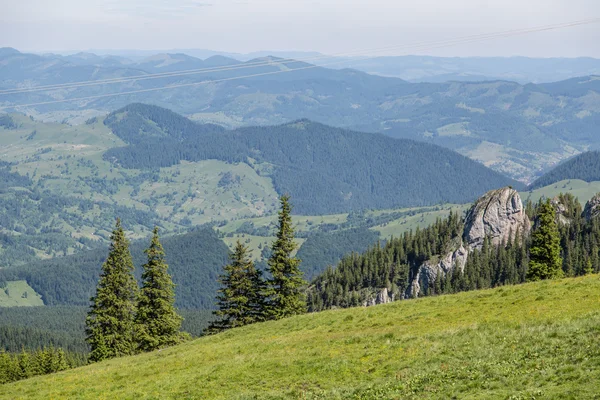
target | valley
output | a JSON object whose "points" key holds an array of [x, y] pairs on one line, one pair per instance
{"points": [[521, 130], [254, 224]]}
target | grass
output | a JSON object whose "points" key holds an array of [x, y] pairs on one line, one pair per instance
{"points": [[578, 188], [19, 294], [538, 340], [419, 219]]}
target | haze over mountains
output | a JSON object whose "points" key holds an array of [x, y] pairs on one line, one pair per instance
{"points": [[519, 130]]}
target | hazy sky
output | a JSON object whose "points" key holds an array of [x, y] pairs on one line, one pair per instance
{"points": [[329, 26]]}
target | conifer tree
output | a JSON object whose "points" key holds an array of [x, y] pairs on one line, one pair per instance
{"points": [[110, 321], [241, 299], [545, 261], [157, 321], [285, 295]]}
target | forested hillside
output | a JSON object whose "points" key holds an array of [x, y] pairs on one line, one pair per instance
{"points": [[195, 260], [585, 166], [517, 129], [324, 169], [358, 279]]}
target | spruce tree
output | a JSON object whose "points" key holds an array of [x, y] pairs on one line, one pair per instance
{"points": [[545, 261], [157, 321], [241, 299], [285, 295], [110, 321]]}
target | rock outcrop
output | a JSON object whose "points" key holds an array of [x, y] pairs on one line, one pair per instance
{"points": [[382, 297], [592, 207], [495, 215], [560, 210], [439, 266]]}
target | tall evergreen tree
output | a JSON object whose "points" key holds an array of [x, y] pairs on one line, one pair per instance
{"points": [[285, 295], [157, 321], [241, 299], [110, 321], [545, 260]]}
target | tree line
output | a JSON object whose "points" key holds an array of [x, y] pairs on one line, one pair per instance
{"points": [[23, 365]]}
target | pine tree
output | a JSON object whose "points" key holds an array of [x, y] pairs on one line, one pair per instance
{"points": [[285, 295], [241, 299], [157, 321], [110, 321], [545, 261]]}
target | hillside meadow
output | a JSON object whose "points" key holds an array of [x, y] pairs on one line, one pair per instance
{"points": [[537, 340]]}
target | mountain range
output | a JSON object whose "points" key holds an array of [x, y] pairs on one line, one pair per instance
{"points": [[520, 130]]}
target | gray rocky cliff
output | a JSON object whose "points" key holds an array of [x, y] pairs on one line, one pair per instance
{"points": [[497, 214], [592, 207], [437, 266]]}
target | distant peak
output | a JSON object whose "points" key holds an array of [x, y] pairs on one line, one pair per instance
{"points": [[8, 51]]}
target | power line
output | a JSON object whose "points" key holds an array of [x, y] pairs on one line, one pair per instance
{"points": [[279, 62], [427, 46], [73, 85]]}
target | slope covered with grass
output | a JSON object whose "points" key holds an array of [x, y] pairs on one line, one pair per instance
{"points": [[528, 341]]}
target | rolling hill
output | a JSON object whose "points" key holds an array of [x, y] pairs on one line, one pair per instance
{"points": [[195, 260], [540, 340], [584, 167], [325, 170], [518, 129], [63, 185]]}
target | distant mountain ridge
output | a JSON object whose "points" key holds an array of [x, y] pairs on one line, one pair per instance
{"points": [[519, 130], [585, 166], [324, 169]]}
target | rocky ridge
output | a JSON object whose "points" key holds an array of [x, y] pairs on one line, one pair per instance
{"points": [[499, 215]]}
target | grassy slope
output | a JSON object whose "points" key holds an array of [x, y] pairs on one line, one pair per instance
{"points": [[528, 341], [578, 188], [19, 294]]}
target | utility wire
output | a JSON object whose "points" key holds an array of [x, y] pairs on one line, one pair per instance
{"points": [[424, 46], [284, 61]]}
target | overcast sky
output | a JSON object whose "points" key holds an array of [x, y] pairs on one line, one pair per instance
{"points": [[328, 26]]}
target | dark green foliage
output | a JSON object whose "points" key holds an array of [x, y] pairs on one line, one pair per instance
{"points": [[33, 328], [357, 277], [23, 365], [325, 169], [110, 322], [241, 298], [585, 166], [323, 249], [284, 297], [544, 260], [157, 321], [71, 280]]}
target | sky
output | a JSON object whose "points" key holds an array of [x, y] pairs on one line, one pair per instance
{"points": [[327, 26]]}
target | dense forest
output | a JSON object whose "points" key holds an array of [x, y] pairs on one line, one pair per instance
{"points": [[195, 259], [359, 277], [33, 328], [327, 248], [325, 169], [585, 166]]}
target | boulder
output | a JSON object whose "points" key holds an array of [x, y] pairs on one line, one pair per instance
{"points": [[495, 215]]}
